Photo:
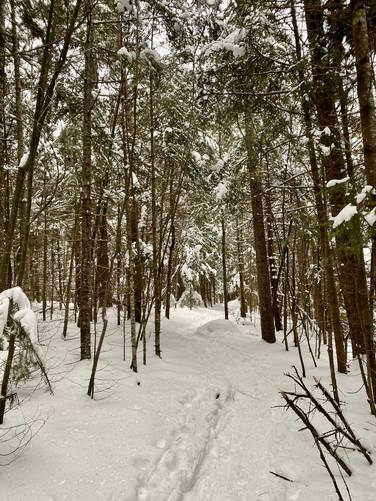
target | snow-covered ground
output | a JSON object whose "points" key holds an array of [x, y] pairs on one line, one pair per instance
{"points": [[201, 424]]}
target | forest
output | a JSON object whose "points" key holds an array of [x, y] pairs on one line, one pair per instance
{"points": [[187, 250]]}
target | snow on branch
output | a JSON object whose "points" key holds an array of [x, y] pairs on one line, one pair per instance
{"points": [[335, 182], [345, 215], [17, 319]]}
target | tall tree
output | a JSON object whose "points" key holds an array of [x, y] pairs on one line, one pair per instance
{"points": [[85, 269], [262, 265]]}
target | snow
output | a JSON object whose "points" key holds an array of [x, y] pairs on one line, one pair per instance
{"points": [[371, 217], [24, 315], [220, 191], [124, 52], [325, 150], [191, 299], [335, 182], [124, 5], [143, 216], [28, 320], [135, 181], [4, 305], [23, 160], [148, 54], [196, 156], [202, 424], [230, 43], [345, 215], [187, 273], [362, 195], [147, 249], [17, 295]]}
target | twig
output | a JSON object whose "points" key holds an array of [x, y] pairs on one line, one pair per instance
{"points": [[281, 476]]}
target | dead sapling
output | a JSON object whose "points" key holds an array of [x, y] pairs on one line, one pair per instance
{"points": [[339, 435]]}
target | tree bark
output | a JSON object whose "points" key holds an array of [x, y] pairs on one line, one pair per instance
{"points": [[224, 267], [86, 191], [262, 265], [103, 263], [364, 87], [348, 238], [156, 254], [243, 303], [3, 174]]}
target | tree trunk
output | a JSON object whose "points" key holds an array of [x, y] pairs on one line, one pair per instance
{"points": [[224, 267], [103, 263], [44, 285], [6, 375], [262, 265], [243, 303], [3, 174], [170, 270], [364, 87], [86, 191], [273, 268], [70, 274], [320, 203], [156, 255]]}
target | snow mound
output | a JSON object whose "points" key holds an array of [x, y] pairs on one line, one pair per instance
{"points": [[217, 327]]}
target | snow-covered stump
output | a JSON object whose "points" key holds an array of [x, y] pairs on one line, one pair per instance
{"points": [[18, 324]]}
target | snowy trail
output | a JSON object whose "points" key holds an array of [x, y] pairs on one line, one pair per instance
{"points": [[238, 464], [215, 454], [198, 425]]}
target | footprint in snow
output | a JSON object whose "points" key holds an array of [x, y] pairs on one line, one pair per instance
{"points": [[161, 444], [141, 463]]}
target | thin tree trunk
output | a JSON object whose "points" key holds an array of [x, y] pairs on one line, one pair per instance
{"points": [[103, 264], [243, 303], [70, 274], [44, 285], [156, 257], [170, 269], [224, 267], [52, 278], [118, 272], [6, 375], [273, 268], [59, 272]]}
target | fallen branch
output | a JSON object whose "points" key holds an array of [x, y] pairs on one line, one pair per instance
{"points": [[344, 429], [316, 435], [281, 476]]}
